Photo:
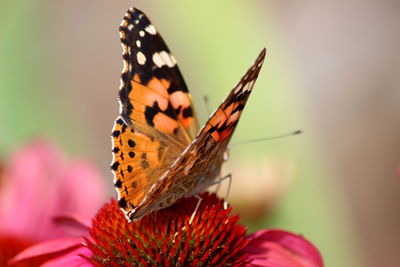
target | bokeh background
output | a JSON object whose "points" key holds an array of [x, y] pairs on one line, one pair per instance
{"points": [[332, 70]]}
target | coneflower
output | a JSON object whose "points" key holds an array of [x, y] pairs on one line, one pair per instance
{"points": [[169, 238]]}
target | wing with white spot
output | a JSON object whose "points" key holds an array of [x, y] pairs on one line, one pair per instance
{"points": [[224, 120], [153, 92]]}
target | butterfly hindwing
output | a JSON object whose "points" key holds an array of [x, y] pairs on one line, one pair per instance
{"points": [[140, 158]]}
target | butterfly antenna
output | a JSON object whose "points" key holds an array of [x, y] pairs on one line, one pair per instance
{"points": [[267, 138]]}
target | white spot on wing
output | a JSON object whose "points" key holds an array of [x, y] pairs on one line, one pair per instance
{"points": [[173, 59], [150, 29], [130, 27], [158, 60], [247, 87], [138, 43], [167, 59], [125, 69], [123, 23], [163, 58], [141, 58], [237, 89], [141, 33], [124, 49]]}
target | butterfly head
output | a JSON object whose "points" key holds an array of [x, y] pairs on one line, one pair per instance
{"points": [[140, 211]]}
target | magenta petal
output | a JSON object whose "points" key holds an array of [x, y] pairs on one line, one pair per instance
{"points": [[282, 248], [74, 224], [26, 188], [48, 247], [40, 184], [71, 258]]}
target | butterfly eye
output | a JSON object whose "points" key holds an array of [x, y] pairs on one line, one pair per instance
{"points": [[226, 155]]}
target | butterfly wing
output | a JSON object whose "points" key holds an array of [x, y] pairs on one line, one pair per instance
{"points": [[139, 159], [153, 91], [222, 123], [199, 165], [157, 120]]}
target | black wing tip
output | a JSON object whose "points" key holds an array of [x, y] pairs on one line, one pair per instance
{"points": [[135, 16], [134, 11], [261, 56]]}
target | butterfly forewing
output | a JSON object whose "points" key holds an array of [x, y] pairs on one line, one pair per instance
{"points": [[153, 91], [157, 120], [224, 120]]}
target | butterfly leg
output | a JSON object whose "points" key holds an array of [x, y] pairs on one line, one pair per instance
{"points": [[218, 183], [195, 209]]}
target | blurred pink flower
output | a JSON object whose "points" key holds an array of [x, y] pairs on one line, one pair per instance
{"points": [[37, 186], [166, 238], [276, 247]]}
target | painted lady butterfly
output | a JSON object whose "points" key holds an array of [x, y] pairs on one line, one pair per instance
{"points": [[159, 153]]}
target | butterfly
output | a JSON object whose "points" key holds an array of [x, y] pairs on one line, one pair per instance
{"points": [[159, 152]]}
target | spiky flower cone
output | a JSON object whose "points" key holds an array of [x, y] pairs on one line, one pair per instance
{"points": [[166, 238]]}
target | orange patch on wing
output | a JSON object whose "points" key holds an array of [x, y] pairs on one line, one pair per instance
{"points": [[218, 117], [135, 194], [164, 123], [160, 86], [147, 96], [186, 122], [138, 116], [223, 115], [233, 117], [180, 98], [225, 135], [229, 109], [215, 136]]}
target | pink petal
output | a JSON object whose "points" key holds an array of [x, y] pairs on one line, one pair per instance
{"points": [[40, 183], [24, 190], [282, 248], [71, 258], [75, 224], [47, 247]]}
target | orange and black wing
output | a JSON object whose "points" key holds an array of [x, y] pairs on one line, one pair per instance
{"points": [[204, 157], [224, 120], [157, 119], [153, 92]]}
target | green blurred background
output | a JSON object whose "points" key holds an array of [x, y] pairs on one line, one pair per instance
{"points": [[331, 70]]}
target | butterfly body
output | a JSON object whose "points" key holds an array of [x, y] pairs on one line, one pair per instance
{"points": [[160, 154]]}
